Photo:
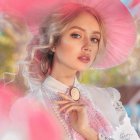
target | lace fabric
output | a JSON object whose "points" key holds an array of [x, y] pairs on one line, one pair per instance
{"points": [[124, 131], [106, 113], [117, 104], [99, 123]]}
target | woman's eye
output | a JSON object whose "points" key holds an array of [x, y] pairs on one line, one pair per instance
{"points": [[75, 35], [95, 40]]}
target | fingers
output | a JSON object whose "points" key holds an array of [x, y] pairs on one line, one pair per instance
{"points": [[65, 107], [61, 102], [74, 108], [68, 105], [65, 97]]}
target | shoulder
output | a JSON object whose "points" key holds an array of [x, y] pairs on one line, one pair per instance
{"points": [[113, 93], [113, 96], [108, 101], [108, 93]]}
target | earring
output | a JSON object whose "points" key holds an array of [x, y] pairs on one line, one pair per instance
{"points": [[53, 49]]}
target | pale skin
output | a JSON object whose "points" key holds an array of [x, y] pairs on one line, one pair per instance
{"points": [[80, 38]]}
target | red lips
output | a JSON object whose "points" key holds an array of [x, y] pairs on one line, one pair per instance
{"points": [[84, 58]]}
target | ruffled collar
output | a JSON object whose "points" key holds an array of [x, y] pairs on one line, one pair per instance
{"points": [[57, 85]]}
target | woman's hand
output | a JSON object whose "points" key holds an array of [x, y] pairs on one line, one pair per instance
{"points": [[78, 114]]}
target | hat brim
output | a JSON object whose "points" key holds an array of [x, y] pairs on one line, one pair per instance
{"points": [[119, 26], [120, 33]]}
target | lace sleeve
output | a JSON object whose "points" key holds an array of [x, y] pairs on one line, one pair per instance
{"points": [[117, 104], [124, 131]]}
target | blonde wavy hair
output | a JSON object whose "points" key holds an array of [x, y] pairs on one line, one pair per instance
{"points": [[40, 51]]}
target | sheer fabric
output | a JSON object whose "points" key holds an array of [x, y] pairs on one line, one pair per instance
{"points": [[106, 113]]}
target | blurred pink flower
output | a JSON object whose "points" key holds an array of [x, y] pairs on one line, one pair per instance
{"points": [[25, 119], [39, 123]]}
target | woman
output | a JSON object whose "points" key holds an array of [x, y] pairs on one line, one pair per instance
{"points": [[76, 36]]}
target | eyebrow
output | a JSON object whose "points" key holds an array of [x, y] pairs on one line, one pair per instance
{"points": [[77, 27]]}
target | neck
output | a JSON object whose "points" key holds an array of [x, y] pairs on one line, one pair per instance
{"points": [[63, 74]]}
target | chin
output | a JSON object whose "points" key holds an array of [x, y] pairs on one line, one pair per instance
{"points": [[83, 68]]}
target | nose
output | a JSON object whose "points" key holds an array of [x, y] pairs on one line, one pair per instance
{"points": [[87, 45], [87, 48]]}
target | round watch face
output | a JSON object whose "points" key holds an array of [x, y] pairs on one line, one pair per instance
{"points": [[75, 93]]}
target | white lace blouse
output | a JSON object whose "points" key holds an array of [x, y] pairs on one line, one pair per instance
{"points": [[105, 100]]}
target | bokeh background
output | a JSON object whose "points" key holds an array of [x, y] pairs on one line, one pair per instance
{"points": [[14, 37]]}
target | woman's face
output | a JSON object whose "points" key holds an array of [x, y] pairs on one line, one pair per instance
{"points": [[79, 43]]}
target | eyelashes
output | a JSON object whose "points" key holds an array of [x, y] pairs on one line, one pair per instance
{"points": [[95, 40], [74, 35]]}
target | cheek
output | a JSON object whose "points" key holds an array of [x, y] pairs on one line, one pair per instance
{"points": [[95, 52], [63, 52], [69, 47]]}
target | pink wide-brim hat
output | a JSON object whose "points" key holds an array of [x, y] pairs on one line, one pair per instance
{"points": [[120, 31]]}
